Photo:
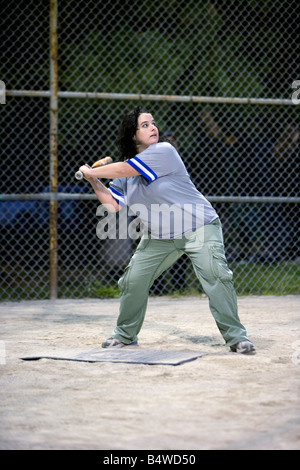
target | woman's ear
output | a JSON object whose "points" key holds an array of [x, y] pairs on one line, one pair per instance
{"points": [[135, 141]]}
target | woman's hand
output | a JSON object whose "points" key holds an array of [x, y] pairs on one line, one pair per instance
{"points": [[87, 172]]}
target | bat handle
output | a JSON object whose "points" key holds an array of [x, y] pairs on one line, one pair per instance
{"points": [[79, 175], [102, 162]]}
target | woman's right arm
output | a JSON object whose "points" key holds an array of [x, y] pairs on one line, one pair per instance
{"points": [[104, 195]]}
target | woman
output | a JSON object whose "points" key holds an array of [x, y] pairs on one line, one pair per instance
{"points": [[176, 219]]}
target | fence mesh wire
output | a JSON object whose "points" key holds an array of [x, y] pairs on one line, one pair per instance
{"points": [[193, 48]]}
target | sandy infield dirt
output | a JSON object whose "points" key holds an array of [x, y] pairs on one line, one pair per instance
{"points": [[219, 401]]}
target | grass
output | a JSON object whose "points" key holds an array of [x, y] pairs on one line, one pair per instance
{"points": [[249, 279], [266, 279], [256, 279], [95, 288]]}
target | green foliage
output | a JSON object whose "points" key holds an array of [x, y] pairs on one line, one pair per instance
{"points": [[95, 288], [266, 279], [258, 279], [249, 279], [152, 62]]}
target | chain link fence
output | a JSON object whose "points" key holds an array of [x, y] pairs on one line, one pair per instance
{"points": [[221, 76]]}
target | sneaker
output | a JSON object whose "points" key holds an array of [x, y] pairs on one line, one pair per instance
{"points": [[115, 343], [244, 347]]}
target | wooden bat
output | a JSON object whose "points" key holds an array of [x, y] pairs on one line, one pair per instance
{"points": [[102, 162]]}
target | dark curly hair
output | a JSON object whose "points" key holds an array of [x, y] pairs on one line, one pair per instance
{"points": [[127, 130]]}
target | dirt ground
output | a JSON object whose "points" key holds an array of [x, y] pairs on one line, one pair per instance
{"points": [[219, 401]]}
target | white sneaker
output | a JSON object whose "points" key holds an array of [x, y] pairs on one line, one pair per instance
{"points": [[115, 343], [243, 347]]}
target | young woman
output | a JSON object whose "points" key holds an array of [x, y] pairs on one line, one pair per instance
{"points": [[176, 219]]}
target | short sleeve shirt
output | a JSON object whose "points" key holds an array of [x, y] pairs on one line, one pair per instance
{"points": [[162, 195]]}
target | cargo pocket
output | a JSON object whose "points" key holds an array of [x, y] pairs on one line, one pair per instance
{"points": [[219, 264], [124, 280]]}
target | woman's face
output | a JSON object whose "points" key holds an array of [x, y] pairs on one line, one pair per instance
{"points": [[146, 133]]}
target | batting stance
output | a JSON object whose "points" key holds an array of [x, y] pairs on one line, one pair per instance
{"points": [[151, 179]]}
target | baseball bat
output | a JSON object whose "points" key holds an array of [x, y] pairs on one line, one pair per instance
{"points": [[102, 162]]}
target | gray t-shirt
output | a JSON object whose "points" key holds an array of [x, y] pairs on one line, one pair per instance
{"points": [[163, 196]]}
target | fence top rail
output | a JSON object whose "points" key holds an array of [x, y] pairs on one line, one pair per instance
{"points": [[50, 196], [150, 97]]}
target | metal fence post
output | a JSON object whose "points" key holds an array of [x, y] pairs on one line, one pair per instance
{"points": [[53, 205]]}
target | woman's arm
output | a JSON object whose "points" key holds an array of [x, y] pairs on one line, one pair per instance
{"points": [[104, 195], [114, 170]]}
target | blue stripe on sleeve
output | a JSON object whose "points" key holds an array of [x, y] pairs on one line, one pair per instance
{"points": [[142, 168], [119, 197]]}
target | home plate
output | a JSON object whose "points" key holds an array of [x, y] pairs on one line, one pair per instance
{"points": [[131, 355]]}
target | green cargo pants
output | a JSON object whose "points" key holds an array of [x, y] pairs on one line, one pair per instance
{"points": [[205, 248]]}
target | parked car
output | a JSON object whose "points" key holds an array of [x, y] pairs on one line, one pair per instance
{"points": [[23, 213]]}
